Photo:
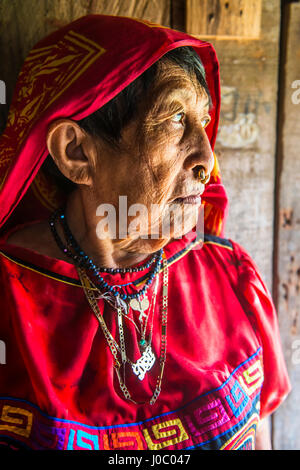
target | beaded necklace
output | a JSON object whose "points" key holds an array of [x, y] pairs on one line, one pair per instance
{"points": [[138, 301], [81, 259]]}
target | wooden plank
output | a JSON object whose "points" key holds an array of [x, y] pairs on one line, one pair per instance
{"points": [[63, 11], [178, 14], [287, 419], [19, 32], [224, 18], [2, 92], [247, 135]]}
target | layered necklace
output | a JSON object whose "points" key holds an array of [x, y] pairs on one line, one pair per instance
{"points": [[121, 300]]}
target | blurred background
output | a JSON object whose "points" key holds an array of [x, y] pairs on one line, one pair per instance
{"points": [[258, 46]]}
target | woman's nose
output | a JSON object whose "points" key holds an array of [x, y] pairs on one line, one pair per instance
{"points": [[201, 154]]}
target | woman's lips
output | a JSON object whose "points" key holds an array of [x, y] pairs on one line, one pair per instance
{"points": [[193, 199]]}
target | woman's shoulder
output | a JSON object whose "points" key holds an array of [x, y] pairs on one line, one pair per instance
{"points": [[34, 237], [232, 248], [219, 241], [224, 258]]}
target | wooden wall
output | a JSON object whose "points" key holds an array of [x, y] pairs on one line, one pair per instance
{"points": [[287, 227], [246, 142], [258, 138]]}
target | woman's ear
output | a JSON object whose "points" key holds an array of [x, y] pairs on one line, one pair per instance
{"points": [[73, 150]]}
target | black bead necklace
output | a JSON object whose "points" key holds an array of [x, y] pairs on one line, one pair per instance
{"points": [[81, 259]]}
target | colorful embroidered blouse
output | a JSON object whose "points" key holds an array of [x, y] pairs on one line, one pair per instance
{"points": [[224, 368]]}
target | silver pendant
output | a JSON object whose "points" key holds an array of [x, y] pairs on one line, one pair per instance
{"points": [[141, 306], [144, 363]]}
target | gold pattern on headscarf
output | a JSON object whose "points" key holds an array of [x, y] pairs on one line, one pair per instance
{"points": [[41, 82]]}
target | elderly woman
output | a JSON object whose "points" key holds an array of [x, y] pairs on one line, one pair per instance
{"points": [[129, 321]]}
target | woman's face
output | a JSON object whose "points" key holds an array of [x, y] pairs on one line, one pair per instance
{"points": [[157, 165]]}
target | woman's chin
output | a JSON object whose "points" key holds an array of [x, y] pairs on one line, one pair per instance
{"points": [[153, 244]]}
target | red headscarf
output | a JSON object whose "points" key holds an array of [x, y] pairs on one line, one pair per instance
{"points": [[72, 73]]}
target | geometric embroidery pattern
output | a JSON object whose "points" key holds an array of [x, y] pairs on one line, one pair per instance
{"points": [[165, 434], [123, 440], [19, 420], [244, 438], [237, 399], [223, 418], [207, 418], [252, 378]]}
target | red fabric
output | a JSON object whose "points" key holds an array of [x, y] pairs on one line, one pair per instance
{"points": [[254, 296]]}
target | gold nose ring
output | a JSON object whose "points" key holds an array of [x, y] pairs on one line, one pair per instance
{"points": [[202, 177]]}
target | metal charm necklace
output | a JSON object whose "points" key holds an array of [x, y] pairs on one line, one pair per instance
{"points": [[146, 361]]}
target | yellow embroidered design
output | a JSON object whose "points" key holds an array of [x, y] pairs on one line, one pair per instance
{"points": [[173, 431], [16, 416], [252, 378]]}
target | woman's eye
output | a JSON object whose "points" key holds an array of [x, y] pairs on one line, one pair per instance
{"points": [[205, 121], [178, 117]]}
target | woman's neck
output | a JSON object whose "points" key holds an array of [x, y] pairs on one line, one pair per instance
{"points": [[82, 221]]}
